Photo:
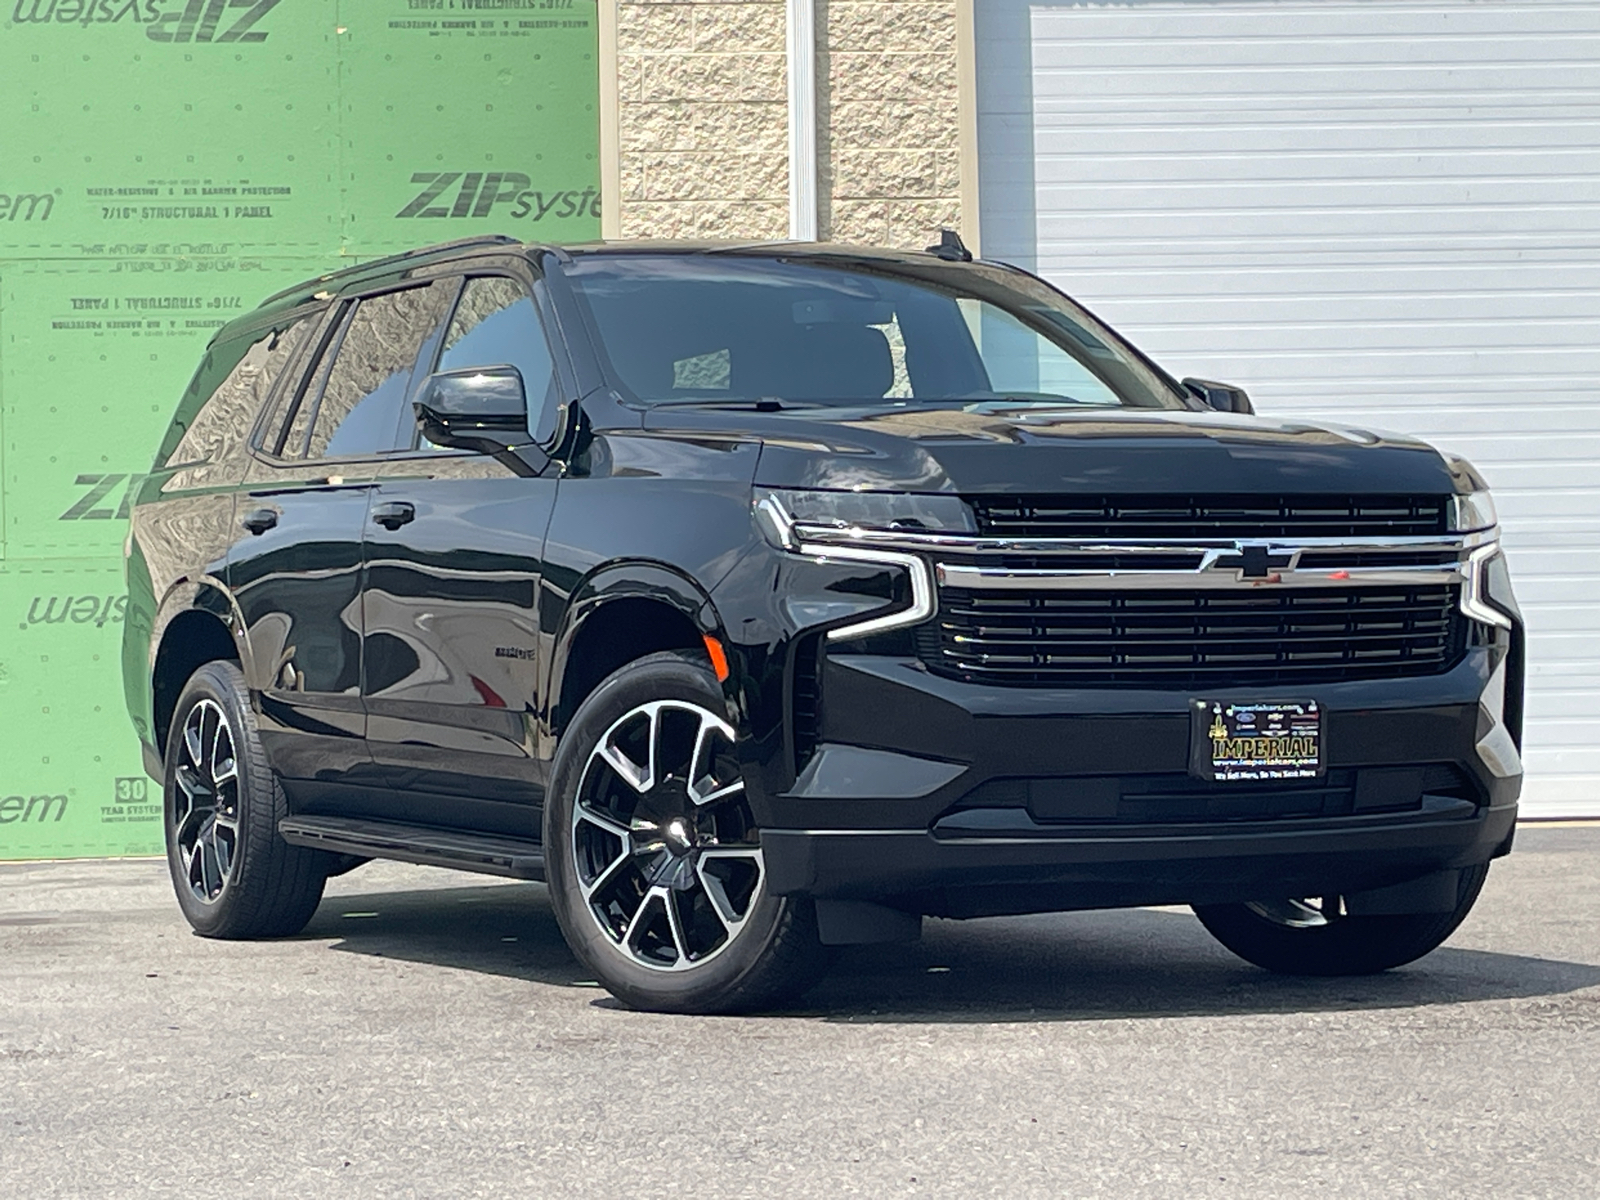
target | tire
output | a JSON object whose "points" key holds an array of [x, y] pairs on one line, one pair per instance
{"points": [[653, 859], [1338, 945], [233, 875]]}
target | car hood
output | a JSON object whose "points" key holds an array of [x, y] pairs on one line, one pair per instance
{"points": [[1030, 449]]}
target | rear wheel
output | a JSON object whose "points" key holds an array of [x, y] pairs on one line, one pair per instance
{"points": [[234, 876], [654, 859], [1314, 936]]}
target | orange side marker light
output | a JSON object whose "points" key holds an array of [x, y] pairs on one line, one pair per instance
{"points": [[719, 658]]}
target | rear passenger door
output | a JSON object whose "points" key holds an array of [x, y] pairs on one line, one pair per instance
{"points": [[454, 548], [295, 564]]}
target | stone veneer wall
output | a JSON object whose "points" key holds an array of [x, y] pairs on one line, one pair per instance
{"points": [[703, 119]]}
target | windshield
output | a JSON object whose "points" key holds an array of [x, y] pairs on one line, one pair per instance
{"points": [[699, 328]]}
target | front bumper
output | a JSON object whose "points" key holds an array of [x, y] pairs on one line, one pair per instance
{"points": [[959, 799]]}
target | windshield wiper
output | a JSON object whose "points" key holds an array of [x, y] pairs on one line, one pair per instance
{"points": [[1028, 398], [758, 404]]}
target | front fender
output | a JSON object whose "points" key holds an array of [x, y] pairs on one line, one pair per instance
{"points": [[634, 579]]}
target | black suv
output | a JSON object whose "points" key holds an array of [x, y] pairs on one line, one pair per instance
{"points": [[766, 598]]}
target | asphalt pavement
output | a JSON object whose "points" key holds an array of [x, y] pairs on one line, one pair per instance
{"points": [[429, 1035]]}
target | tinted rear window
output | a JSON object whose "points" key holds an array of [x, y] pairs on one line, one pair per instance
{"points": [[233, 381]]}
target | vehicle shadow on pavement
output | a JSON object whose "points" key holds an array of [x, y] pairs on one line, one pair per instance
{"points": [[1055, 967]]}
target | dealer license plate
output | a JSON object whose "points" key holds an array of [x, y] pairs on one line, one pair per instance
{"points": [[1258, 741]]}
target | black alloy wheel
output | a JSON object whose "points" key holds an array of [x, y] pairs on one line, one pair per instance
{"points": [[205, 804], [667, 855], [654, 857], [233, 875]]}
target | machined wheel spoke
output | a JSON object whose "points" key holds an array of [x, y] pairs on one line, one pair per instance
{"points": [[217, 762], [680, 943], [608, 873], [210, 871], [599, 820], [717, 892], [192, 742], [733, 789], [186, 779], [192, 824], [640, 779], [640, 921], [703, 786]]}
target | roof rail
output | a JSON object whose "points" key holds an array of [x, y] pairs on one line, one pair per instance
{"points": [[484, 239]]}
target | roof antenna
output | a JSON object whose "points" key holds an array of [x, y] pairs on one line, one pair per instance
{"points": [[950, 247]]}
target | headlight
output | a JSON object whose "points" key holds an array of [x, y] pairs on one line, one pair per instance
{"points": [[785, 515], [1472, 512], [780, 509], [1471, 508]]}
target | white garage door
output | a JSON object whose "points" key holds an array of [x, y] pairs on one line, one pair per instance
{"points": [[1383, 213]]}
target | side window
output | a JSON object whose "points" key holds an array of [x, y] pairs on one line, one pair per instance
{"points": [[235, 377], [358, 410], [495, 325], [303, 407]]}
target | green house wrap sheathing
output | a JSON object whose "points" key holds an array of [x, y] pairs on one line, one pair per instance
{"points": [[165, 164]]}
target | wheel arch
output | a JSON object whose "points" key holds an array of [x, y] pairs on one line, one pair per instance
{"points": [[197, 627], [618, 614]]}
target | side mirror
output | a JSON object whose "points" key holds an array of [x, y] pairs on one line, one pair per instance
{"points": [[1223, 397], [481, 408]]}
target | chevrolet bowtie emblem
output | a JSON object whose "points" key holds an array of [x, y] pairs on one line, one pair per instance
{"points": [[1265, 561]]}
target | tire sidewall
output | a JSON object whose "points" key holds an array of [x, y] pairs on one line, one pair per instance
{"points": [[699, 988], [223, 684], [1345, 946]]}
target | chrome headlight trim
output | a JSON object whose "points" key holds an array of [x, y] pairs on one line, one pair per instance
{"points": [[778, 526], [918, 571], [1474, 588]]}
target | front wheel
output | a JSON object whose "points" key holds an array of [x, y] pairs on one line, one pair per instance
{"points": [[653, 857], [1315, 936]]}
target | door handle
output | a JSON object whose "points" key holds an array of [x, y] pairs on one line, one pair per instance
{"points": [[261, 520], [394, 514]]}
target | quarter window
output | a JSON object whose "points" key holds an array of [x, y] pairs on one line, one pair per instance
{"points": [[228, 406]]}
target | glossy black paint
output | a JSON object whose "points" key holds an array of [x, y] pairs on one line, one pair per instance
{"points": [[420, 668], [451, 682]]}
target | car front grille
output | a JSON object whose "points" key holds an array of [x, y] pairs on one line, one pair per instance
{"points": [[1208, 516], [1197, 638]]}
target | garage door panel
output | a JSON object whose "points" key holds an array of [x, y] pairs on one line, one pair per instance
{"points": [[1184, 24], [1560, 309], [1341, 135], [1255, 87], [1201, 255], [1469, 336], [1346, 361], [1380, 213], [1137, 215], [1354, 168]]}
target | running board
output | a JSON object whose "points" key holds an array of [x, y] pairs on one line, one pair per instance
{"points": [[486, 853]]}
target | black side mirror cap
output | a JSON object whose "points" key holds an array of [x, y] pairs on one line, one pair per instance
{"points": [[484, 409], [1224, 397]]}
